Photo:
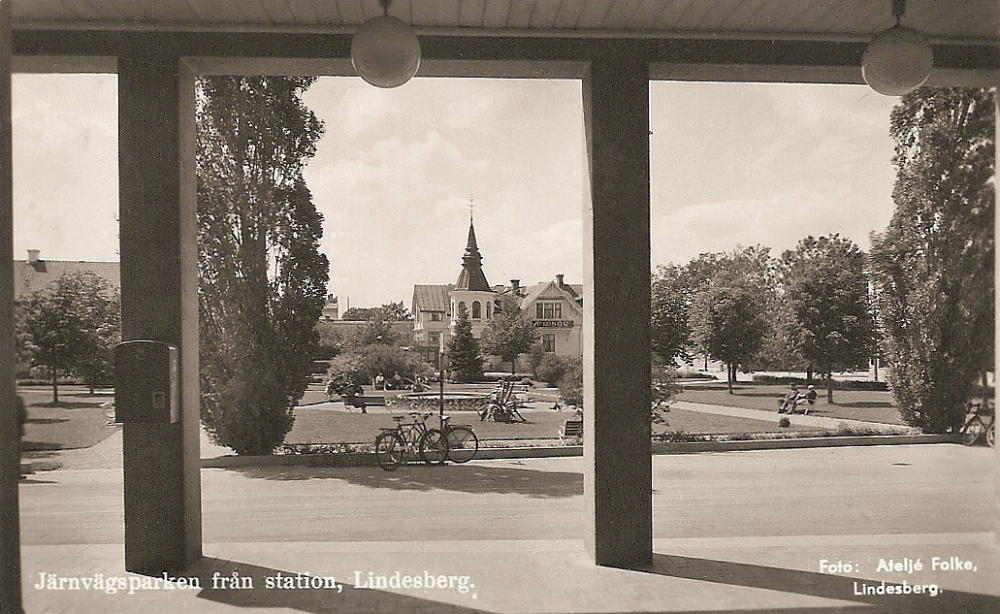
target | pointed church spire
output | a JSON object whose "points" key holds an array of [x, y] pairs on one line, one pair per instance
{"points": [[472, 276]]}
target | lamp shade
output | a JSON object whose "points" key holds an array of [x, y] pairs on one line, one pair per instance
{"points": [[385, 52], [897, 61]]}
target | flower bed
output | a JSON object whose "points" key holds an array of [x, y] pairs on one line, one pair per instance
{"points": [[453, 401]]}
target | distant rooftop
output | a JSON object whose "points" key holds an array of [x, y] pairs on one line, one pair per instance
{"points": [[35, 273]]}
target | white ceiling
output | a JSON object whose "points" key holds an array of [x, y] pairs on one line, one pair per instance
{"points": [[946, 21]]}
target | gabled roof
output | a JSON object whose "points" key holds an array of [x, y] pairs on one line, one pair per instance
{"points": [[430, 297], [32, 276], [571, 292]]}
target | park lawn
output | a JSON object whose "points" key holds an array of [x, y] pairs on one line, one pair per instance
{"points": [[317, 425], [77, 421], [702, 423], [868, 406]]}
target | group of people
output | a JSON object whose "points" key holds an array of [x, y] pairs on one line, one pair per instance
{"points": [[797, 401], [393, 383]]}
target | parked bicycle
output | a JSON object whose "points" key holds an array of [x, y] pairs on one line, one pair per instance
{"points": [[459, 442], [393, 445], [982, 422]]}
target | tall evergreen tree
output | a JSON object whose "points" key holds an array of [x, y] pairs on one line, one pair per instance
{"points": [[933, 267], [263, 279], [465, 361]]}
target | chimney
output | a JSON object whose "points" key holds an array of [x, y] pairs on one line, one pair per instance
{"points": [[33, 256], [515, 284], [559, 280]]}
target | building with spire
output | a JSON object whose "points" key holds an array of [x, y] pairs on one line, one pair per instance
{"points": [[555, 308]]}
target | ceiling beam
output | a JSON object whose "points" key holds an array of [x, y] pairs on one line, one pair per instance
{"points": [[514, 57]]}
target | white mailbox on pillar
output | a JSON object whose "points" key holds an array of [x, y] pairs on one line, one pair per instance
{"points": [[146, 387]]}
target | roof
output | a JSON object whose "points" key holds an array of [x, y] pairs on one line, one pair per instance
{"points": [[472, 277], [430, 297], [32, 276], [573, 292], [962, 21]]}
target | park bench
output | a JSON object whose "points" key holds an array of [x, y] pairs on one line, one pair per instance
{"points": [[571, 430], [363, 401]]}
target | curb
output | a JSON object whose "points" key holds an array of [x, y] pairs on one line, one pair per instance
{"points": [[367, 459], [690, 447]]}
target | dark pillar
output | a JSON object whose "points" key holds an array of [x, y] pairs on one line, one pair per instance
{"points": [[10, 431], [996, 329], [616, 357], [159, 281]]}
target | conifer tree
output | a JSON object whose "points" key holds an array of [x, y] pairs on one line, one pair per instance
{"points": [[463, 352]]}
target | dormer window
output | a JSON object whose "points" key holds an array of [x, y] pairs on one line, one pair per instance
{"points": [[477, 310]]}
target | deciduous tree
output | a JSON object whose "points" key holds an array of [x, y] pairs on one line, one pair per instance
{"points": [[70, 326], [933, 267], [826, 287], [509, 333]]}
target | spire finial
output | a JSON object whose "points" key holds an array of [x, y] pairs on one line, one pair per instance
{"points": [[472, 206]]}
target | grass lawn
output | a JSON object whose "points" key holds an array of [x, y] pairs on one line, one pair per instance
{"points": [[315, 425], [848, 404], [77, 421]]}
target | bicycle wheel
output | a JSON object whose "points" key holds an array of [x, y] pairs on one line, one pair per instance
{"points": [[462, 444], [991, 435], [390, 451], [971, 432], [433, 447]]}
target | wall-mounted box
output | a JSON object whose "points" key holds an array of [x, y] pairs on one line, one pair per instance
{"points": [[146, 382]]}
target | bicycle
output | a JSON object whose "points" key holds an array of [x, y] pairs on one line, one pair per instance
{"points": [[976, 426], [459, 444], [394, 444]]}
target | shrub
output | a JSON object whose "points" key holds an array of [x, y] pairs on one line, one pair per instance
{"points": [[551, 369], [361, 365], [571, 382]]}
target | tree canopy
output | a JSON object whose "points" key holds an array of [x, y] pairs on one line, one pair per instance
{"points": [[933, 267], [509, 333], [70, 326], [826, 287]]}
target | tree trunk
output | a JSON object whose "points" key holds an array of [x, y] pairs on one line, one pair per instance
{"points": [[55, 385], [829, 387], [875, 362], [809, 375], [729, 377]]}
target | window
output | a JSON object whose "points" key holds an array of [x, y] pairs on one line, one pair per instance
{"points": [[477, 310], [461, 309], [549, 343], [435, 338], [489, 310], [548, 311], [435, 316]]}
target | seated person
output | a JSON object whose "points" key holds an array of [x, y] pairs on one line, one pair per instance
{"points": [[787, 402], [806, 400]]}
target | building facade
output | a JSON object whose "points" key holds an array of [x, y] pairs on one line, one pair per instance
{"points": [[554, 307]]}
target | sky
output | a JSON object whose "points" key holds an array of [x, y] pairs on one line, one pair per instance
{"points": [[398, 172]]}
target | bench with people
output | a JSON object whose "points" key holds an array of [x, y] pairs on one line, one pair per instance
{"points": [[797, 401]]}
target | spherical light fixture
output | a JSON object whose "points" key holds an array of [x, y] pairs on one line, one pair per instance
{"points": [[897, 60], [385, 51]]}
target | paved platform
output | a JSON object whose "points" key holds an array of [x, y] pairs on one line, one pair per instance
{"points": [[748, 576], [811, 531]]}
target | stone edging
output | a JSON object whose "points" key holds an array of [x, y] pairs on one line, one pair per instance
{"points": [[367, 459]]}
